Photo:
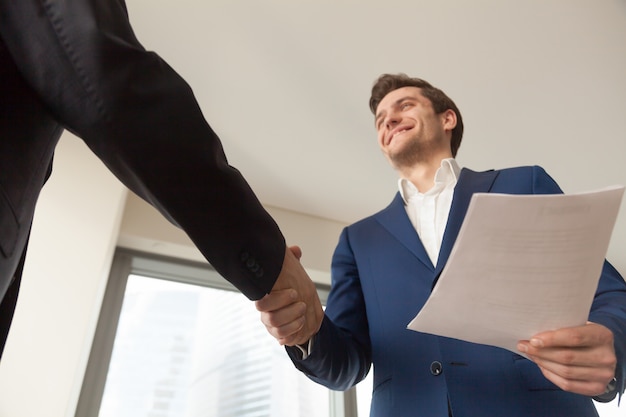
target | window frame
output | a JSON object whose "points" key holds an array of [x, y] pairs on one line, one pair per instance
{"points": [[127, 262]]}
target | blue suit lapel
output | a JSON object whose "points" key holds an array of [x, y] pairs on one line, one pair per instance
{"points": [[395, 220], [470, 182]]}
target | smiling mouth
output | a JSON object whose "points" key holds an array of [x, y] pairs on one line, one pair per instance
{"points": [[398, 133]]}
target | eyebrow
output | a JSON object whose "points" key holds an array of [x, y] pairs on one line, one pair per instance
{"points": [[395, 103]]}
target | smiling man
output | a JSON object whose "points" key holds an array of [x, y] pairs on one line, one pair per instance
{"points": [[385, 265]]}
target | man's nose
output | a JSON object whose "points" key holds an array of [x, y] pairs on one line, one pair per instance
{"points": [[392, 119]]}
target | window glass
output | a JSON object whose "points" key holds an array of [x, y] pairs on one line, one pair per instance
{"points": [[187, 350], [364, 395], [609, 409]]}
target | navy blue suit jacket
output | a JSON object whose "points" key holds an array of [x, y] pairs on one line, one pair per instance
{"points": [[381, 275]]}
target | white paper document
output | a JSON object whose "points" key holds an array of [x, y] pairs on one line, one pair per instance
{"points": [[521, 264]]}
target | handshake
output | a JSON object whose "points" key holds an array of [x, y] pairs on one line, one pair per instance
{"points": [[292, 312]]}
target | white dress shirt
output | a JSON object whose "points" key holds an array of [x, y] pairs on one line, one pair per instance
{"points": [[429, 211]]}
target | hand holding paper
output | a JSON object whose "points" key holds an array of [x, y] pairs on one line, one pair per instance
{"points": [[521, 265], [577, 359]]}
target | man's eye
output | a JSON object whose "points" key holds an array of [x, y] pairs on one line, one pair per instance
{"points": [[405, 106]]}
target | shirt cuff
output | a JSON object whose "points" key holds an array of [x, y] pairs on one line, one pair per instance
{"points": [[305, 349]]}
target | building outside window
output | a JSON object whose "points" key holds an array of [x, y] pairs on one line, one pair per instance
{"points": [[186, 350], [176, 340]]}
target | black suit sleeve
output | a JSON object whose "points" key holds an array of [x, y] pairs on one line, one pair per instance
{"points": [[141, 119]]}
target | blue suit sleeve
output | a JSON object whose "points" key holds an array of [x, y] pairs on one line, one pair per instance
{"points": [[609, 309], [341, 352], [609, 305]]}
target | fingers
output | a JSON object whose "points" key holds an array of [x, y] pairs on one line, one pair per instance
{"points": [[277, 299], [284, 323], [283, 316], [587, 345], [589, 379], [589, 385], [293, 285], [292, 312], [588, 335], [577, 359], [292, 274]]}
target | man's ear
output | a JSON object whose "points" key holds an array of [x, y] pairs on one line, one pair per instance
{"points": [[449, 120]]}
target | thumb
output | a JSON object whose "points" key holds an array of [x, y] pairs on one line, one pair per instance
{"points": [[296, 251]]}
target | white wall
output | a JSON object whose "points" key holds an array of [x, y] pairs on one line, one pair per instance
{"points": [[71, 246], [143, 228]]}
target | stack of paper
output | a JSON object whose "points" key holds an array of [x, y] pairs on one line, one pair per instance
{"points": [[522, 264]]}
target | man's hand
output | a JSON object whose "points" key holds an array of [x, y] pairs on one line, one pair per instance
{"points": [[577, 359], [292, 312]]}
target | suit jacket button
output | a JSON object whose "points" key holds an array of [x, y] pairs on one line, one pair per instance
{"points": [[251, 263], [436, 368]]}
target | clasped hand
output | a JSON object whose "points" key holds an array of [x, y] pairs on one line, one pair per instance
{"points": [[576, 359], [292, 312]]}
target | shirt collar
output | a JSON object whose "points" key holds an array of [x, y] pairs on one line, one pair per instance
{"points": [[449, 171]]}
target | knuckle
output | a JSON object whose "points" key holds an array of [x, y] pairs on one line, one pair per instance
{"points": [[597, 388], [281, 333], [568, 358], [273, 320], [607, 373], [264, 321], [302, 308], [608, 361], [566, 385], [577, 339], [259, 305], [567, 373], [607, 338]]}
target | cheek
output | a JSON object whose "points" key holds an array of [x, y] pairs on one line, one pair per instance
{"points": [[380, 138]]}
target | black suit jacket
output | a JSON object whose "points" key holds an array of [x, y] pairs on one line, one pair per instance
{"points": [[77, 65]]}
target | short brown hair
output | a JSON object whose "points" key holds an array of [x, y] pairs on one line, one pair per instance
{"points": [[386, 83]]}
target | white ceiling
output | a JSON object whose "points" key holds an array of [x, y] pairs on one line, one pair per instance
{"points": [[285, 83]]}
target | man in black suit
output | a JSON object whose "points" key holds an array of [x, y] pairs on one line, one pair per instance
{"points": [[77, 65]]}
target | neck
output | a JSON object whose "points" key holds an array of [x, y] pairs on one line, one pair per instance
{"points": [[422, 174]]}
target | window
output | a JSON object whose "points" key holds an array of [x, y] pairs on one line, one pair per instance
{"points": [[176, 339], [364, 395], [609, 409]]}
